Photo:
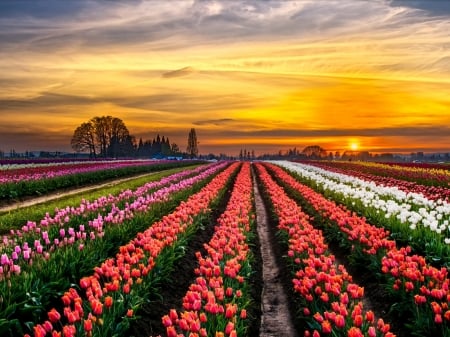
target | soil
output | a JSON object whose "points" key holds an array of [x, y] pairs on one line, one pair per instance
{"points": [[276, 317]]}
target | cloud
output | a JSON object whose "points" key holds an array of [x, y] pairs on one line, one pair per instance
{"points": [[433, 7], [179, 72], [33, 139], [223, 121], [46, 99], [187, 103], [182, 102], [100, 25], [48, 9], [88, 25], [143, 27]]}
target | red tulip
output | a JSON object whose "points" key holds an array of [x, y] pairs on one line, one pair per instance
{"points": [[87, 325], [53, 315], [108, 301], [326, 327], [229, 327]]}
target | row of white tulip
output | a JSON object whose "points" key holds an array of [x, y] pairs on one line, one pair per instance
{"points": [[412, 209]]}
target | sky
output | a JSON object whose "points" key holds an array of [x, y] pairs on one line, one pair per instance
{"points": [[256, 75]]}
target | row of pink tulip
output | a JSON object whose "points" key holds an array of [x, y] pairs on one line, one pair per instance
{"points": [[137, 197], [424, 288], [38, 172], [430, 192], [109, 294], [215, 304], [63, 216], [59, 230], [332, 302]]}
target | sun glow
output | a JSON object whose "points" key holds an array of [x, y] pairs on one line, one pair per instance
{"points": [[354, 146]]}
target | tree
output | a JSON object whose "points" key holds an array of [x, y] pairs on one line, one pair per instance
{"points": [[314, 151], [123, 142], [84, 139], [110, 132], [192, 147], [105, 135], [175, 149]]}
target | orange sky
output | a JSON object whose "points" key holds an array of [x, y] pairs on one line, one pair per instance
{"points": [[257, 75]]}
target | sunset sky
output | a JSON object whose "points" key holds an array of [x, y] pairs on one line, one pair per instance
{"points": [[259, 75]]}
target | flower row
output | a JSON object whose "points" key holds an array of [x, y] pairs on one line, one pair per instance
{"points": [[51, 171], [215, 303], [11, 164], [331, 301], [115, 289], [422, 291]]}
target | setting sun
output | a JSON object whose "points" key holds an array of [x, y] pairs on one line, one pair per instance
{"points": [[354, 145]]}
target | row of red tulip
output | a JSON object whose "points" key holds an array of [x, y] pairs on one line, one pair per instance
{"points": [[111, 292], [424, 289], [332, 302], [215, 304]]}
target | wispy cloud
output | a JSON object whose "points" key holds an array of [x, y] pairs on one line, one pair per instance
{"points": [[179, 72], [222, 121], [432, 7]]}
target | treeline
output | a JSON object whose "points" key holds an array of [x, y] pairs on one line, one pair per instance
{"points": [[157, 147], [109, 137]]}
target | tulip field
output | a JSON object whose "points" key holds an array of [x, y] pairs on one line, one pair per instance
{"points": [[363, 249]]}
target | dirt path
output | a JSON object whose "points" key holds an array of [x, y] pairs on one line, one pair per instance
{"points": [[57, 195], [276, 319]]}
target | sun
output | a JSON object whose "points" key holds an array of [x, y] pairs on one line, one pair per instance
{"points": [[354, 146]]}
